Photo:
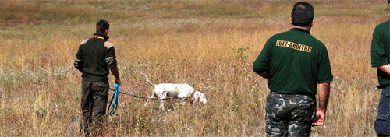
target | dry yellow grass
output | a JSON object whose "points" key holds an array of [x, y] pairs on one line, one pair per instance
{"points": [[179, 42]]}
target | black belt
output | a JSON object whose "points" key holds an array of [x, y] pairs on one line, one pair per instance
{"points": [[382, 86]]}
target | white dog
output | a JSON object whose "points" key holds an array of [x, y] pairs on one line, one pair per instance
{"points": [[164, 90]]}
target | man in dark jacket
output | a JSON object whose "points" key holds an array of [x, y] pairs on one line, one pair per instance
{"points": [[380, 59], [294, 62], [94, 59]]}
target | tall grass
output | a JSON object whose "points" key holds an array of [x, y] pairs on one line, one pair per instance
{"points": [[208, 44]]}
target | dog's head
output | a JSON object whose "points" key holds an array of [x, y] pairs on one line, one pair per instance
{"points": [[199, 96]]}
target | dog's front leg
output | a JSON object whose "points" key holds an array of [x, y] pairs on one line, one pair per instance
{"points": [[152, 96], [162, 105], [162, 96]]}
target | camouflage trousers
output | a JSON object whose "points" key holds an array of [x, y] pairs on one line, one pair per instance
{"points": [[289, 114], [94, 100], [382, 122]]}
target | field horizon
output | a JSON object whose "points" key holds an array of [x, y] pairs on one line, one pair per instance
{"points": [[211, 45]]}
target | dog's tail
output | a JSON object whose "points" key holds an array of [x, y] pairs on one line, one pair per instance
{"points": [[146, 77]]}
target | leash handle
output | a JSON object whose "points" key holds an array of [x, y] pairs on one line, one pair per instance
{"points": [[115, 99], [116, 94], [382, 87], [115, 103]]}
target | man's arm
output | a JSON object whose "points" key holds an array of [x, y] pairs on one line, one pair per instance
{"points": [[262, 63], [78, 64], [385, 68], [111, 61], [115, 72], [323, 96]]}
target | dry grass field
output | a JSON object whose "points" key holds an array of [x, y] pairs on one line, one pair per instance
{"points": [[209, 44]]}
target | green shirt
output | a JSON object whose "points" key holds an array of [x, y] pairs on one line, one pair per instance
{"points": [[95, 57], [295, 61], [380, 51]]}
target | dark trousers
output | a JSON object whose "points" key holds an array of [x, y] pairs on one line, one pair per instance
{"points": [[289, 114], [382, 122], [94, 99]]}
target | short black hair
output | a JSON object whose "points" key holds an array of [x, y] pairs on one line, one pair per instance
{"points": [[302, 14], [101, 26]]}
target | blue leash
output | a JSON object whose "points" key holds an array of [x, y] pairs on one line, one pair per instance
{"points": [[142, 97], [114, 99]]}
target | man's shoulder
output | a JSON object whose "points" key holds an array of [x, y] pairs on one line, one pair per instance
{"points": [[386, 23], [281, 34], [84, 41], [319, 42], [307, 37], [288, 34], [108, 44], [382, 25], [278, 36]]}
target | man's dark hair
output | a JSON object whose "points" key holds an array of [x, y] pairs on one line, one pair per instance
{"points": [[101, 26], [302, 14]]}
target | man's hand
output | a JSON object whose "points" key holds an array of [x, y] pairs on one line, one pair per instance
{"points": [[118, 81], [385, 68], [320, 118]]}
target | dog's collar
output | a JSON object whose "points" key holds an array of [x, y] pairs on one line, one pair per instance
{"points": [[192, 94]]}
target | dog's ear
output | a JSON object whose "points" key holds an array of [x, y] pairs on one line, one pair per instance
{"points": [[196, 96], [203, 98]]}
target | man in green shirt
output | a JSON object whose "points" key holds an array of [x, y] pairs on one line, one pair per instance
{"points": [[294, 62], [380, 58]]}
